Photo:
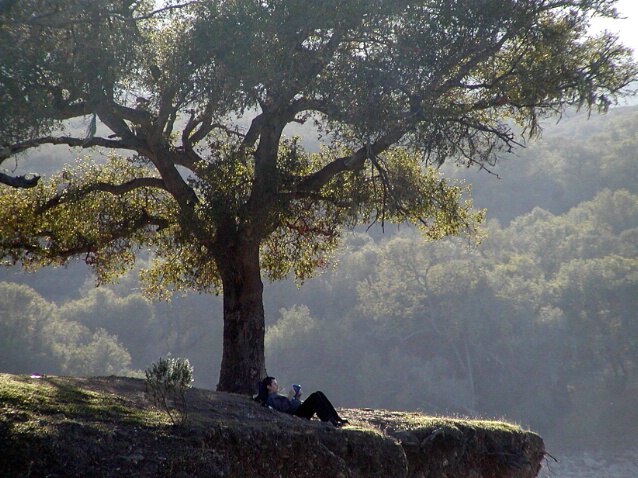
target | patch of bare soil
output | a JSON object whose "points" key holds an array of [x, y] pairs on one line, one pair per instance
{"points": [[229, 435]]}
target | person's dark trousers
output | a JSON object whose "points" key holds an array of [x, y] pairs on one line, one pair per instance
{"points": [[317, 403]]}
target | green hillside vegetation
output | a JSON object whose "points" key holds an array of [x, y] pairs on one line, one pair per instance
{"points": [[55, 426], [536, 325]]}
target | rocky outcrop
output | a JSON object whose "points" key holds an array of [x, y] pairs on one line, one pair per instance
{"points": [[63, 427]]}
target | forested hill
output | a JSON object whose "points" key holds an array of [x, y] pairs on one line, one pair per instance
{"points": [[573, 160], [537, 325]]}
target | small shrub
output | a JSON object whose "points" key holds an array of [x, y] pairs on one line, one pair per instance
{"points": [[168, 380]]}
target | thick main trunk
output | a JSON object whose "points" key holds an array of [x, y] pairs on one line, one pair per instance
{"points": [[243, 361]]}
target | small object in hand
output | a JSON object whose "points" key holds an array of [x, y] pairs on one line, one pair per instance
{"points": [[296, 388]]}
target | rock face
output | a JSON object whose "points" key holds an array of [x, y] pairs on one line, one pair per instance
{"points": [[317, 451], [63, 427], [436, 447]]}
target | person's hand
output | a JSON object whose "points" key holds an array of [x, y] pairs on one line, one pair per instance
{"points": [[292, 392]]}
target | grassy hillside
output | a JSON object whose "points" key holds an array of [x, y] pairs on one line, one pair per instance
{"points": [[67, 427]]}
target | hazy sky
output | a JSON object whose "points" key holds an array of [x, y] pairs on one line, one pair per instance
{"points": [[626, 28]]}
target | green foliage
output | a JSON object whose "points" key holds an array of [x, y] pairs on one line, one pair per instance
{"points": [[498, 329], [35, 338], [81, 51], [294, 339], [131, 319], [23, 318], [208, 62], [42, 226], [196, 100], [168, 380], [537, 323], [573, 161], [81, 352]]}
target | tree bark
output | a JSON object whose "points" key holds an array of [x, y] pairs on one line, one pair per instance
{"points": [[243, 358]]}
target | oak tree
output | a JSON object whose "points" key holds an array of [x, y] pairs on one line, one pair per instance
{"points": [[191, 102]]}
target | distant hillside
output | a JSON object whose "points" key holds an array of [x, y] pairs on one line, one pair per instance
{"points": [[572, 160]]}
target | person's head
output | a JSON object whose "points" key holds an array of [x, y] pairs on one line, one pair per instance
{"points": [[271, 384], [267, 386]]}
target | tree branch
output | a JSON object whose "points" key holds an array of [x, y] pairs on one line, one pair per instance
{"points": [[19, 181], [115, 189], [67, 140], [121, 231], [317, 180], [253, 132]]}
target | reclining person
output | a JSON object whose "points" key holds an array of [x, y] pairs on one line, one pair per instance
{"points": [[317, 403]]}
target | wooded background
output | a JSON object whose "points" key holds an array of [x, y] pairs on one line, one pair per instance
{"points": [[536, 325]]}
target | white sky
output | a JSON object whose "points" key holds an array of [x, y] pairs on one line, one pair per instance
{"points": [[627, 28]]}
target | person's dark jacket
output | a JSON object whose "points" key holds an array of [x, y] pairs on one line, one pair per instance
{"points": [[281, 403]]}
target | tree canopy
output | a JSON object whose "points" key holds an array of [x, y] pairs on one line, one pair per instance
{"points": [[193, 101]]}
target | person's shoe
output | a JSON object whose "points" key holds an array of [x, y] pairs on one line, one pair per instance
{"points": [[336, 423], [339, 422]]}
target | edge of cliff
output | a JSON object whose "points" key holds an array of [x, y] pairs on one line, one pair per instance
{"points": [[108, 426]]}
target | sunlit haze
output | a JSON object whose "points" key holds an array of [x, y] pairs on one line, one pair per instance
{"points": [[624, 27]]}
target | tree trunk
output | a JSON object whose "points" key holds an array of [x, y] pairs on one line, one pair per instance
{"points": [[243, 360]]}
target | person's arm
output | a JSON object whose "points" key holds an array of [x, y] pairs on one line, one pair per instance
{"points": [[295, 402], [279, 403]]}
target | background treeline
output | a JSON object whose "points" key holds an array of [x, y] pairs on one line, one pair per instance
{"points": [[537, 325]]}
